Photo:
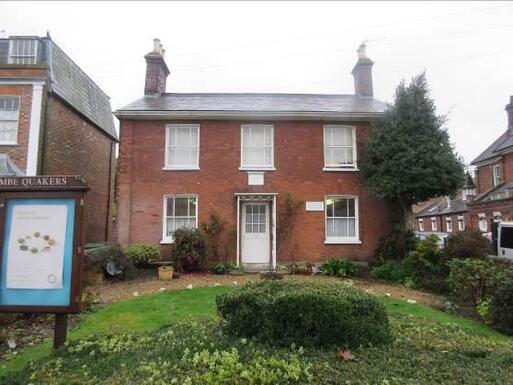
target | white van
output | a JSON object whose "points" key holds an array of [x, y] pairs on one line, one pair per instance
{"points": [[505, 240]]}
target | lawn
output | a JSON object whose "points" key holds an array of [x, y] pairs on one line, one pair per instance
{"points": [[145, 340]]}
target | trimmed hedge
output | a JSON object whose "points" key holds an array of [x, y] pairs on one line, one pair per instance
{"points": [[502, 308], [305, 313]]}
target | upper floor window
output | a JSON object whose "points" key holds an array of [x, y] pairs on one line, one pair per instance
{"points": [[449, 224], [9, 113], [341, 219], [182, 147], [433, 224], [257, 146], [179, 211], [461, 223], [497, 177], [23, 51], [339, 147]]}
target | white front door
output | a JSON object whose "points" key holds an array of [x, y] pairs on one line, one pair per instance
{"points": [[256, 235]]}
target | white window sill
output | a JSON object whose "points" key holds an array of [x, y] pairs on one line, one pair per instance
{"points": [[342, 242], [338, 169], [263, 168], [167, 242], [8, 144], [192, 168]]}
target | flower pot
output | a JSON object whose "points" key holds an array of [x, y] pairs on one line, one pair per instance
{"points": [[166, 273]]}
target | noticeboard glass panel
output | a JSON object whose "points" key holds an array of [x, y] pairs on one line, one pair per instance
{"points": [[37, 252]]}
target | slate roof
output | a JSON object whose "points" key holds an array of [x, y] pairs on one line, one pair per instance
{"points": [[501, 191], [79, 90], [457, 205], [257, 102], [504, 142]]}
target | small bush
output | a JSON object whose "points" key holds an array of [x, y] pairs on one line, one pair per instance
{"points": [[339, 268], [306, 313], [189, 250], [393, 271], [468, 244], [472, 280], [223, 267], [501, 307], [395, 246], [142, 253]]}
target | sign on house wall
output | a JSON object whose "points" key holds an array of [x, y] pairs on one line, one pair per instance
{"points": [[314, 206], [41, 246]]}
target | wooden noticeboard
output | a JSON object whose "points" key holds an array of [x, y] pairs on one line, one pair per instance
{"points": [[41, 246]]}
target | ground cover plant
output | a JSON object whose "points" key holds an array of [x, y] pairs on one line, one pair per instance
{"points": [[339, 267], [165, 339]]}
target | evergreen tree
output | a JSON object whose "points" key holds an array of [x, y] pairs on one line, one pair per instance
{"points": [[408, 157]]}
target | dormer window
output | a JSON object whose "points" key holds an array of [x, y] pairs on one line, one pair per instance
{"points": [[23, 51]]}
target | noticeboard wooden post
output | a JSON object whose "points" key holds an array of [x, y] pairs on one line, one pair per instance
{"points": [[41, 246]]}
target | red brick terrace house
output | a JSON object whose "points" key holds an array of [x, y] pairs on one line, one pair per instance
{"points": [[494, 178], [488, 200], [184, 156], [55, 120]]}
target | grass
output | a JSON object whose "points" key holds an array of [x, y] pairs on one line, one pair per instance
{"points": [[149, 314]]}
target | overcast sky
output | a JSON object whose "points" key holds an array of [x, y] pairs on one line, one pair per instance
{"points": [[299, 47]]}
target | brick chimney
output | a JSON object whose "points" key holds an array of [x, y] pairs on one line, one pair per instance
{"points": [[509, 112], [156, 71], [362, 73]]}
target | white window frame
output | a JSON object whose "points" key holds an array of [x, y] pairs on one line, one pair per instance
{"points": [[168, 145], [461, 223], [448, 224], [483, 223], [165, 237], [351, 167], [421, 224], [12, 142], [497, 177], [434, 225], [256, 167], [12, 56], [342, 240]]}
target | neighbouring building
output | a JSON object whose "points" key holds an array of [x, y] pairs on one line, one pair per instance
{"points": [[484, 201], [55, 120], [184, 156]]}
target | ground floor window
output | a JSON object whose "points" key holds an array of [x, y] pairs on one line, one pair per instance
{"points": [[421, 225], [483, 225], [341, 219], [179, 211], [433, 224]]}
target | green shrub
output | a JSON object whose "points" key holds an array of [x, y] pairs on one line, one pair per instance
{"points": [[223, 267], [300, 268], [339, 268], [305, 313], [142, 253], [395, 246], [501, 307], [472, 280], [468, 244], [189, 250], [393, 271]]}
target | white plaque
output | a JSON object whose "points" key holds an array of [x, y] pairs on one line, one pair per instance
{"points": [[314, 206], [35, 257]]}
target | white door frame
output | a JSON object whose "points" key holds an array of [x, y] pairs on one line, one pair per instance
{"points": [[257, 197]]}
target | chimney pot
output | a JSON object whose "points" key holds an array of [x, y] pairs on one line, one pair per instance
{"points": [[362, 73], [156, 71], [509, 112]]}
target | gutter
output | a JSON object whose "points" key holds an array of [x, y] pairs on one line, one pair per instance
{"points": [[220, 115]]}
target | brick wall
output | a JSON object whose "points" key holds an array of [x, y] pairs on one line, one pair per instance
{"points": [[485, 173], [141, 184], [76, 147]]}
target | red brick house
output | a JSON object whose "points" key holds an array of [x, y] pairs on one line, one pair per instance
{"points": [[487, 200], [185, 156], [55, 120]]}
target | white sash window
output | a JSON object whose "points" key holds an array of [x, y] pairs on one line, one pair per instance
{"points": [[182, 147], [9, 115], [339, 147], [179, 211], [341, 219]]}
